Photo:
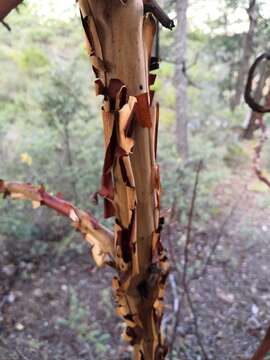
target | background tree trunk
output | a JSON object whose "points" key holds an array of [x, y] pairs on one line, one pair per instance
{"points": [[247, 53], [181, 79]]}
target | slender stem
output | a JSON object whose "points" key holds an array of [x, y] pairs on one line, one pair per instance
{"points": [[99, 237]]}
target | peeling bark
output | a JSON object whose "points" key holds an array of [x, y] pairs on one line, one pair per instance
{"points": [[120, 38], [100, 238]]}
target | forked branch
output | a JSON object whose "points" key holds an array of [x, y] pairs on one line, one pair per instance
{"points": [[99, 237]]}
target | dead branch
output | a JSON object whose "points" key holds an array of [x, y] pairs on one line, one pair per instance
{"points": [[195, 321], [5, 25], [99, 237], [186, 250], [153, 7], [186, 262], [218, 237], [190, 221]]}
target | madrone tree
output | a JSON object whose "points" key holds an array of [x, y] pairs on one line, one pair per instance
{"points": [[119, 37]]}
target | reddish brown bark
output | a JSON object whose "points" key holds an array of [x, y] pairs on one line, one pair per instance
{"points": [[6, 6], [97, 235], [119, 38]]}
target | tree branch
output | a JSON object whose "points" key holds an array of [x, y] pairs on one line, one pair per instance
{"points": [[99, 237], [190, 221], [6, 6], [153, 7], [5, 25]]}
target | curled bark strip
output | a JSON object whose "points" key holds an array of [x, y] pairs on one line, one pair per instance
{"points": [[100, 238], [130, 181], [248, 98], [142, 110]]}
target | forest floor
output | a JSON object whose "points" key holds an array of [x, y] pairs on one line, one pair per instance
{"points": [[58, 306], [232, 300]]}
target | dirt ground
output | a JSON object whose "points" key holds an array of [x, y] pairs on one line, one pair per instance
{"points": [[57, 306]]}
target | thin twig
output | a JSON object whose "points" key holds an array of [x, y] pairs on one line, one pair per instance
{"points": [[186, 249], [20, 354], [98, 236], [195, 321], [219, 236], [5, 24], [190, 221]]}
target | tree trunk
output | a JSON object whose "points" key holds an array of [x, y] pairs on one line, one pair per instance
{"points": [[247, 53], [181, 79], [120, 39]]}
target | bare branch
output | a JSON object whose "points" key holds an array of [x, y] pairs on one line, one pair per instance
{"points": [[153, 7], [218, 237], [99, 237], [195, 321], [190, 220], [5, 25], [186, 253]]}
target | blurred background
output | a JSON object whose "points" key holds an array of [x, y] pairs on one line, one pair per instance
{"points": [[54, 303]]}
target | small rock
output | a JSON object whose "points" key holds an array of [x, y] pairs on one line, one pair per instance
{"points": [[11, 297], [9, 270], [38, 293], [64, 287], [19, 327], [254, 309], [227, 297]]}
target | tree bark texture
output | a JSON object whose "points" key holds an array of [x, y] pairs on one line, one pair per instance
{"points": [[119, 38], [6, 6], [247, 53], [181, 79]]}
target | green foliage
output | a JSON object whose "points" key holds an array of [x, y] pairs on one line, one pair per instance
{"points": [[32, 59], [235, 155], [77, 321]]}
